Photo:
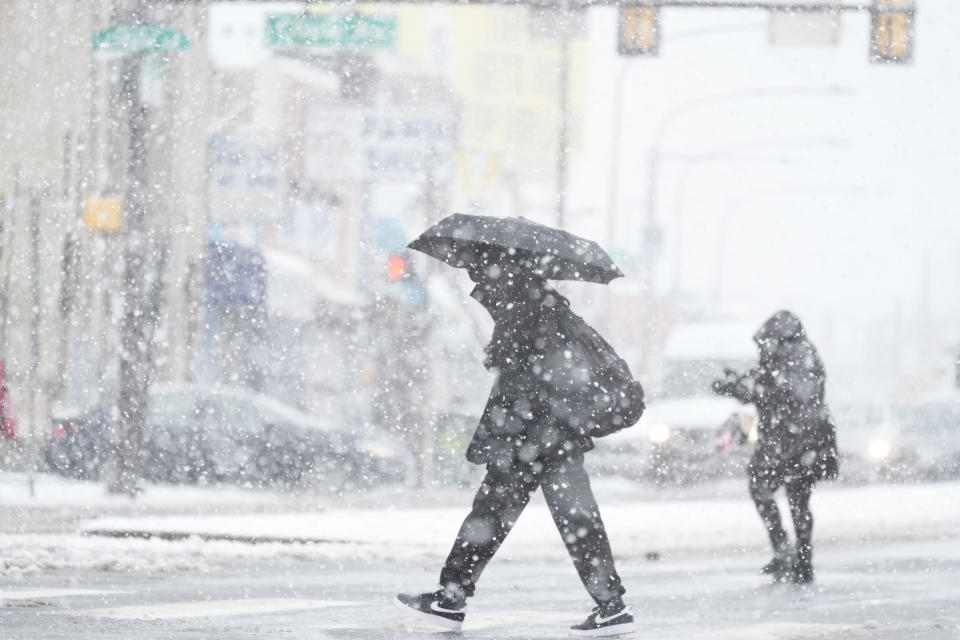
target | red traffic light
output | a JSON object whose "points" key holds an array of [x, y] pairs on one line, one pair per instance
{"points": [[396, 267]]}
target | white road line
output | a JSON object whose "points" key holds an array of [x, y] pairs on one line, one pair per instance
{"points": [[477, 621], [761, 631], [209, 608], [491, 619], [40, 594]]}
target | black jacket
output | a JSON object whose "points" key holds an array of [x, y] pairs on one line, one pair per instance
{"points": [[544, 359], [795, 430]]}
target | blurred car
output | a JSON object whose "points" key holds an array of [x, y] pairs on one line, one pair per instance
{"points": [[913, 441], [8, 424], [865, 433], [676, 440], [453, 431], [227, 435]]}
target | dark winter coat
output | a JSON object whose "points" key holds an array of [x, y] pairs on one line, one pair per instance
{"points": [[796, 434], [545, 357]]}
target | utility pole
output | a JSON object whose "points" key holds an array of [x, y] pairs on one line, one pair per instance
{"points": [[6, 232], [563, 134], [135, 338], [32, 373], [137, 41]]}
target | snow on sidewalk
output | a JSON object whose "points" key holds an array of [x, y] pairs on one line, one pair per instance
{"points": [[844, 516], [190, 530], [52, 492]]}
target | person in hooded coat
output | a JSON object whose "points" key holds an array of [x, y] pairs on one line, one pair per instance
{"points": [[796, 439], [530, 435]]}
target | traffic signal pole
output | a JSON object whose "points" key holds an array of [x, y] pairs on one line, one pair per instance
{"points": [[133, 362], [563, 134]]}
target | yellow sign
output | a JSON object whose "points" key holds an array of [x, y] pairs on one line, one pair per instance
{"points": [[102, 213]]}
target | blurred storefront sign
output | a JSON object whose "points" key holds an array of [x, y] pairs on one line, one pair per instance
{"points": [[244, 35], [331, 31], [391, 141], [236, 276], [131, 38], [235, 35], [246, 178]]}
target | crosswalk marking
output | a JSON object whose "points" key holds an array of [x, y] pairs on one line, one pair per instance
{"points": [[512, 618], [40, 594], [475, 621], [209, 608], [765, 631]]}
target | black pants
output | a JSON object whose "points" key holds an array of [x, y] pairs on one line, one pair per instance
{"points": [[505, 492], [764, 481]]}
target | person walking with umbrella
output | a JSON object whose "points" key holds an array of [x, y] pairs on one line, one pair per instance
{"points": [[559, 384], [796, 441]]}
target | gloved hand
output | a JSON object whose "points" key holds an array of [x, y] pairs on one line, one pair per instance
{"points": [[726, 385]]}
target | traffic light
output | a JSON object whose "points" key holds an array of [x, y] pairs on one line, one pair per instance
{"points": [[639, 31], [405, 284], [396, 267], [891, 31], [102, 213]]}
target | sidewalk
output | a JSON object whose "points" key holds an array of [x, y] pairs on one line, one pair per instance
{"points": [[76, 525], [844, 517]]}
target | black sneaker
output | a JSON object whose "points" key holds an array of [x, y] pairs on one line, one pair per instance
{"points": [[606, 621], [434, 607]]}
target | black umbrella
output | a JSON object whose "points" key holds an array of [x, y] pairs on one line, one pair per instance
{"points": [[463, 240]]}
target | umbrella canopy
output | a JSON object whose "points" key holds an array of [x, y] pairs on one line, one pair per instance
{"points": [[463, 240]]}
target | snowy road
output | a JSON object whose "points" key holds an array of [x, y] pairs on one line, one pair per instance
{"points": [[893, 591], [888, 561]]}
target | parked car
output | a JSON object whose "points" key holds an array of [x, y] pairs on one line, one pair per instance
{"points": [[931, 432], [676, 440], [227, 435], [8, 424], [908, 441]]}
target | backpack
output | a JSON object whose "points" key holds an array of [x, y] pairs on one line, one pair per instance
{"points": [[827, 464], [591, 387]]}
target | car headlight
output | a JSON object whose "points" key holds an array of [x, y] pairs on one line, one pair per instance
{"points": [[879, 449], [659, 433]]}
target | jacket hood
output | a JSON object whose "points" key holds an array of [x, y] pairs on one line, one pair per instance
{"points": [[781, 326]]}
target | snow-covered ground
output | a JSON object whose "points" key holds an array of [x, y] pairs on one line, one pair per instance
{"points": [[173, 529], [326, 566]]}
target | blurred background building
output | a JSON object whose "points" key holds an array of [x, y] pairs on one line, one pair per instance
{"points": [[732, 161]]}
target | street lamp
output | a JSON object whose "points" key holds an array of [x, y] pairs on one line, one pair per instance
{"points": [[751, 152], [650, 230], [654, 152], [617, 117], [567, 25], [730, 209]]}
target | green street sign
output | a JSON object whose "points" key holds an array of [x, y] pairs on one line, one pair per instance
{"points": [[131, 38], [327, 31]]}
